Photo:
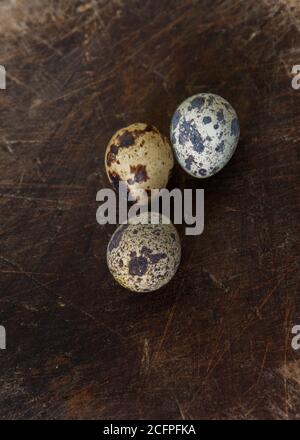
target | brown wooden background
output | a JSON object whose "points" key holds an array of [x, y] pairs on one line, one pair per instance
{"points": [[214, 343]]}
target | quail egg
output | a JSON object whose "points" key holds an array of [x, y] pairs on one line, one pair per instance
{"points": [[139, 156], [144, 257], [204, 134]]}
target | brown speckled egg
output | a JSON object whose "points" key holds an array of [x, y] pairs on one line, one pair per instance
{"points": [[144, 257], [139, 156]]}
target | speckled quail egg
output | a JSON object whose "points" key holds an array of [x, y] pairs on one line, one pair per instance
{"points": [[204, 134], [144, 257], [139, 156]]}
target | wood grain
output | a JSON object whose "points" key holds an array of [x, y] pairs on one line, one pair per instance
{"points": [[215, 342]]}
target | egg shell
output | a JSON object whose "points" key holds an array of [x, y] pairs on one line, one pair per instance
{"points": [[141, 157], [144, 257], [204, 133]]}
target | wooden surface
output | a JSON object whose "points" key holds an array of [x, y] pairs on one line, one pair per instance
{"points": [[214, 343]]}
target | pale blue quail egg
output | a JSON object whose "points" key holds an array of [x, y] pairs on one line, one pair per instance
{"points": [[204, 134]]}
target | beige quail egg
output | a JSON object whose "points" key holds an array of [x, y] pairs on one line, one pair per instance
{"points": [[144, 257], [139, 156]]}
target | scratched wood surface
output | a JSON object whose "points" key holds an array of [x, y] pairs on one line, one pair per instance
{"points": [[215, 342]]}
